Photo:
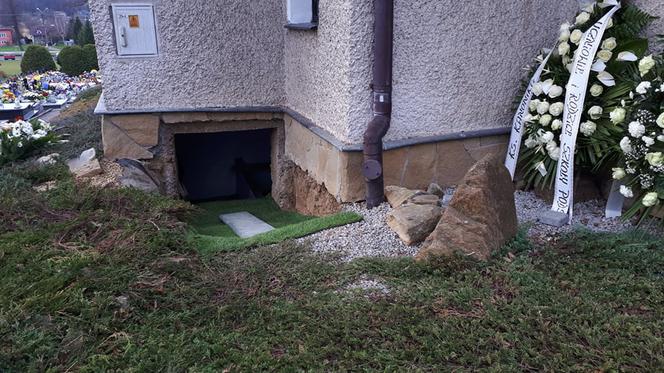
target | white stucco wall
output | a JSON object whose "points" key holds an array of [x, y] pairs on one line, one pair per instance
{"points": [[220, 53], [457, 65]]}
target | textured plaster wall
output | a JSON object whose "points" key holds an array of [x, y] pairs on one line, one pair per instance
{"points": [[317, 68], [457, 65], [220, 53]]}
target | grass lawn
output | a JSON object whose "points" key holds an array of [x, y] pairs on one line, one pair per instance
{"points": [[211, 236], [10, 68], [108, 280], [10, 48]]}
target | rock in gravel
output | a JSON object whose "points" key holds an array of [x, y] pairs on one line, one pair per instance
{"points": [[424, 199], [47, 160], [86, 165], [414, 223], [436, 190], [396, 195], [481, 217]]}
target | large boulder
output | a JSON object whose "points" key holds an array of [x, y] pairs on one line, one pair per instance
{"points": [[481, 217], [413, 222]]}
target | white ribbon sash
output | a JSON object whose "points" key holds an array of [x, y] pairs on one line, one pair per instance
{"points": [[519, 118], [575, 98]]}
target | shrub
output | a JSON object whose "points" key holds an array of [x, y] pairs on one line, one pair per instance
{"points": [[72, 60], [20, 139], [37, 58], [90, 57]]}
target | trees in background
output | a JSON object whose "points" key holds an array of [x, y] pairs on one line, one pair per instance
{"points": [[75, 60]]}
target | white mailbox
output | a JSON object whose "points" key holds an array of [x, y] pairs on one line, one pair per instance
{"points": [[135, 30]]}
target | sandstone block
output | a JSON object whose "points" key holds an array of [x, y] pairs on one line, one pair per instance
{"points": [[118, 145], [413, 223], [481, 217], [396, 196], [143, 129]]}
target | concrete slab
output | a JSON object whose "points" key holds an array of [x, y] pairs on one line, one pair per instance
{"points": [[554, 218], [245, 224]]}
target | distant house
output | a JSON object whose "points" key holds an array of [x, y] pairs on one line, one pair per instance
{"points": [[197, 89], [6, 36]]}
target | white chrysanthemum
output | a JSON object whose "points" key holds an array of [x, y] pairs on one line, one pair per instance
{"points": [[531, 142], [637, 129], [649, 141], [546, 137], [532, 105], [660, 120], [545, 120], [537, 89], [563, 49], [626, 191], [626, 145], [643, 88]]}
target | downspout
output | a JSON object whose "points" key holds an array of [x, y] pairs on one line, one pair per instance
{"points": [[372, 168]]}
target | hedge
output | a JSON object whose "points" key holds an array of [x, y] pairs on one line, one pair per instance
{"points": [[37, 58]]}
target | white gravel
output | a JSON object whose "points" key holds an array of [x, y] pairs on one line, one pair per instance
{"points": [[373, 238], [369, 238]]}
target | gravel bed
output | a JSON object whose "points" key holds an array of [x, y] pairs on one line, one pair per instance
{"points": [[369, 238], [373, 238]]}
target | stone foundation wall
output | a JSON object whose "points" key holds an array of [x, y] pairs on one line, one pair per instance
{"points": [[413, 167], [319, 171]]}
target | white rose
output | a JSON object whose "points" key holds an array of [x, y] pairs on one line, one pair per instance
{"points": [[650, 199], [626, 145], [643, 88], [604, 55], [618, 115], [646, 64], [545, 120], [532, 106], [595, 112], [565, 27], [546, 137], [576, 36], [588, 128], [596, 90], [556, 91], [555, 154], [660, 120], [582, 18], [530, 142], [609, 44], [543, 107], [537, 89], [637, 129], [649, 141], [655, 159], [556, 109], [557, 124], [660, 138], [619, 173], [626, 191], [564, 35], [563, 49]]}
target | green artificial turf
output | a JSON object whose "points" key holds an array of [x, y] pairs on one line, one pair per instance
{"points": [[210, 235]]}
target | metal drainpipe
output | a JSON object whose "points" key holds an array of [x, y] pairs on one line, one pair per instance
{"points": [[381, 102]]}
